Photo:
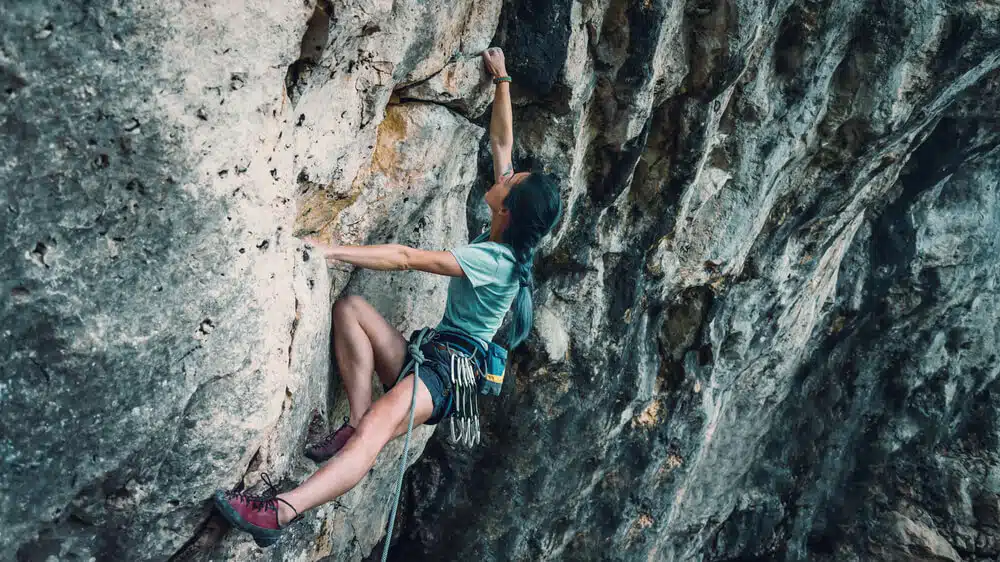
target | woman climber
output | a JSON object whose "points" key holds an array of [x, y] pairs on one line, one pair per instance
{"points": [[487, 277]]}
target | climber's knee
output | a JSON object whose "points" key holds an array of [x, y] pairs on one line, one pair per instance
{"points": [[347, 307]]}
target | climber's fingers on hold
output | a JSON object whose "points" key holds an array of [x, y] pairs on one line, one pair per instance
{"points": [[493, 58], [313, 243], [319, 246]]}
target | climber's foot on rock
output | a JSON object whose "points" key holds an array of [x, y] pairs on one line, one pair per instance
{"points": [[261, 516], [330, 444]]}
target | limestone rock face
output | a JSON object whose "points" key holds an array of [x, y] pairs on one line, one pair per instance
{"points": [[165, 332], [766, 327]]}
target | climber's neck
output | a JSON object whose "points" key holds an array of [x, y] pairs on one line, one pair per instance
{"points": [[495, 234]]}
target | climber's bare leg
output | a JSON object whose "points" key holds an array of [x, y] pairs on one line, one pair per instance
{"points": [[401, 428], [363, 340], [357, 457]]}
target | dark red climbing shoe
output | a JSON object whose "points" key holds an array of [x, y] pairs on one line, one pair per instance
{"points": [[330, 444], [257, 515]]}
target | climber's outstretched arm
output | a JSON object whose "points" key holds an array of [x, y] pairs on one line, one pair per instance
{"points": [[392, 257], [501, 122]]}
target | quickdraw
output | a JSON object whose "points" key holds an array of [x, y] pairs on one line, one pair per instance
{"points": [[466, 405]]}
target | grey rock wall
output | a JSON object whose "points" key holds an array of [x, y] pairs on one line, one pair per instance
{"points": [[753, 340], [165, 333], [765, 329]]}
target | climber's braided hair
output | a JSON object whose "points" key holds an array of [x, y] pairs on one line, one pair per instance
{"points": [[535, 207]]}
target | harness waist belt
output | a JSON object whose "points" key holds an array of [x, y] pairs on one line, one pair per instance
{"points": [[463, 343]]}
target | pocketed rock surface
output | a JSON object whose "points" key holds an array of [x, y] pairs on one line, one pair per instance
{"points": [[765, 329]]}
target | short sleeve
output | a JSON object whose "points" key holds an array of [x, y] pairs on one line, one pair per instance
{"points": [[478, 263]]}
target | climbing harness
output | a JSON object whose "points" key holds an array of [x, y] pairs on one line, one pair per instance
{"points": [[466, 381]]}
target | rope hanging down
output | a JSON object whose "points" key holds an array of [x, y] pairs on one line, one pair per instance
{"points": [[416, 360]]}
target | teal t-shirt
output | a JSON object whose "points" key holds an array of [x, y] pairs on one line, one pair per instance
{"points": [[478, 302]]}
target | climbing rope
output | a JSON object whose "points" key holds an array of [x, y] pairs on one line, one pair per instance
{"points": [[463, 380], [416, 360]]}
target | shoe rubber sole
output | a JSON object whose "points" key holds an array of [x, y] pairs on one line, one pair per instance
{"points": [[317, 458], [263, 537]]}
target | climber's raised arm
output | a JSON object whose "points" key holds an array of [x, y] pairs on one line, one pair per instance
{"points": [[392, 257], [501, 122]]}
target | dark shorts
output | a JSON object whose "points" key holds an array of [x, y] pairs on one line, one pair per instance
{"points": [[436, 376]]}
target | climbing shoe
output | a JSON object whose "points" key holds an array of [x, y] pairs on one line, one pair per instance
{"points": [[257, 515], [330, 444]]}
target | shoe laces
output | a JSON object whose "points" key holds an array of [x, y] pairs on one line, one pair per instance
{"points": [[262, 502], [329, 438]]}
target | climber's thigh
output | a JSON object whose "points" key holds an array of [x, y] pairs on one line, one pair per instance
{"points": [[393, 410], [388, 345]]}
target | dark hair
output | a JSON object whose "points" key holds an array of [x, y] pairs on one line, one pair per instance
{"points": [[535, 207]]}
